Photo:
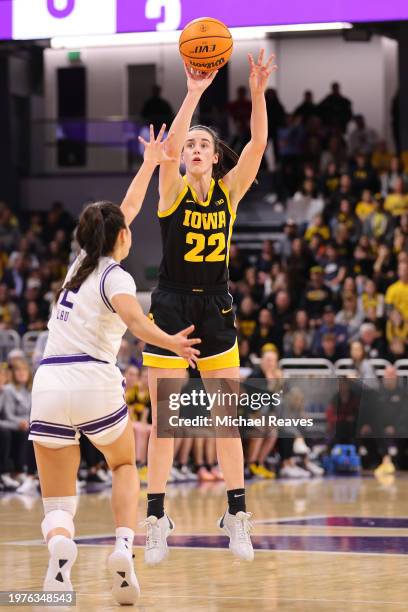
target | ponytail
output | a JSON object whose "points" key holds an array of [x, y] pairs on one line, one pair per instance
{"points": [[96, 234]]}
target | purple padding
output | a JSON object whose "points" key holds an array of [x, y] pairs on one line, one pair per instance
{"points": [[131, 14], [338, 544], [6, 28], [347, 521]]}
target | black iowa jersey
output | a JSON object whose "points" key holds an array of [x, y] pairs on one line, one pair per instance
{"points": [[196, 237]]}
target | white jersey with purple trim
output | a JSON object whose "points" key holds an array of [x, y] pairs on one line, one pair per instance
{"points": [[84, 321]]}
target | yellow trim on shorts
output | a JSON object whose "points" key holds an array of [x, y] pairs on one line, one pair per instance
{"points": [[227, 359], [169, 211], [164, 361]]}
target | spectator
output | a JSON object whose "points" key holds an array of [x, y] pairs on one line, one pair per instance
{"points": [[349, 315], [335, 109], [372, 341], [300, 323], [342, 413], [366, 206], [156, 110], [307, 108], [371, 298], [6, 427], [265, 378], [330, 179], [397, 294], [363, 176], [9, 228], [240, 112], [362, 366], [317, 226], [334, 269], [267, 332], [299, 348], [390, 178], [247, 318], [317, 295], [362, 139], [377, 224], [276, 117], [396, 327], [138, 401], [396, 203], [335, 155], [10, 316], [346, 217], [330, 326], [330, 349], [16, 410]]}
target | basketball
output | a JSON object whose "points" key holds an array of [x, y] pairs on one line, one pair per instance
{"points": [[205, 44]]}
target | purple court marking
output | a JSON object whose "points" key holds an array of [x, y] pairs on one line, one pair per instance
{"points": [[344, 521], [336, 544], [6, 29]]}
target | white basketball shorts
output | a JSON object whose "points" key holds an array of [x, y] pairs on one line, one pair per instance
{"points": [[74, 394]]}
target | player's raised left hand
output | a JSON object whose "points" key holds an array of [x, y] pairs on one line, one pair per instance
{"points": [[260, 71], [155, 149]]}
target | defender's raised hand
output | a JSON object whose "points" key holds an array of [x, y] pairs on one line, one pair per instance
{"points": [[155, 149]]}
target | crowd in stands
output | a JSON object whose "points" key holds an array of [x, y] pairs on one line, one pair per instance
{"points": [[335, 286]]}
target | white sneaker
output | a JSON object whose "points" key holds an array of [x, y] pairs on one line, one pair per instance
{"points": [[125, 589], [177, 475], [237, 527], [156, 539], [28, 486], [189, 474], [62, 557], [294, 471], [314, 469], [300, 447], [9, 482]]}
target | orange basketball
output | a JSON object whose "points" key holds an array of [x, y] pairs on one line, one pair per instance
{"points": [[205, 44]]}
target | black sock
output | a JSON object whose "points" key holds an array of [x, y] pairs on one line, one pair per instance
{"points": [[236, 501], [155, 504]]}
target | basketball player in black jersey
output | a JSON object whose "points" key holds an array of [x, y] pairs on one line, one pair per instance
{"points": [[196, 214]]}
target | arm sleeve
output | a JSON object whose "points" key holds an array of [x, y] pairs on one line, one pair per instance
{"points": [[118, 281]]}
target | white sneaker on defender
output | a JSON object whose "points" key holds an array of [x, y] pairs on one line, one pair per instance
{"points": [[156, 539], [238, 527], [125, 589], [63, 554]]}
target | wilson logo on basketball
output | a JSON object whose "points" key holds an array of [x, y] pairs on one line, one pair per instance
{"points": [[205, 48], [207, 65]]}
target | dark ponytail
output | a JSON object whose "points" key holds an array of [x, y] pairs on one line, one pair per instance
{"points": [[227, 158], [97, 232]]}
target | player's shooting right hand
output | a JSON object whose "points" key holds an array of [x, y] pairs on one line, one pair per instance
{"points": [[197, 81]]}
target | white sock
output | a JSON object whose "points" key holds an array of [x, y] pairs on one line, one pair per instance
{"points": [[124, 539]]}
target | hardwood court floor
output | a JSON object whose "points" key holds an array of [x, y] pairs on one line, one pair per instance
{"points": [[323, 545]]}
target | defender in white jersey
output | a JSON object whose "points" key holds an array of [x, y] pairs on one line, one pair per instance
{"points": [[78, 388]]}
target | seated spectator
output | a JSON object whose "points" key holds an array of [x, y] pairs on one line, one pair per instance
{"points": [[244, 353], [282, 310], [371, 298], [316, 296], [267, 256], [247, 318], [362, 366], [57, 219], [10, 316], [393, 174], [16, 411], [366, 206], [267, 377], [237, 265], [396, 349], [342, 413], [397, 294], [9, 228], [290, 230], [362, 264], [138, 400], [330, 349], [329, 326], [299, 348], [362, 139], [330, 180], [346, 217], [372, 341], [396, 326], [384, 267], [381, 160], [396, 202], [33, 319], [349, 315], [254, 287], [343, 242], [14, 276], [6, 427], [300, 323], [377, 224], [298, 264], [306, 204], [335, 153], [317, 226], [267, 331], [344, 192], [363, 176], [334, 268]]}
